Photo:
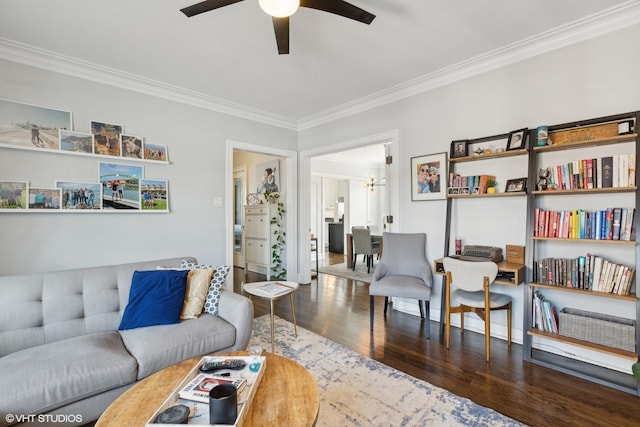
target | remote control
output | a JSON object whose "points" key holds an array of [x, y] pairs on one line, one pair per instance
{"points": [[222, 364]]}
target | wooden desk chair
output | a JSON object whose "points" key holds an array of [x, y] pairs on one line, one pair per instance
{"points": [[472, 281]]}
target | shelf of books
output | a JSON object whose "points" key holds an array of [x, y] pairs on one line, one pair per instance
{"points": [[193, 391], [581, 308]]}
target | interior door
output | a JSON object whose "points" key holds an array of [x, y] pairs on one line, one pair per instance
{"points": [[239, 197]]}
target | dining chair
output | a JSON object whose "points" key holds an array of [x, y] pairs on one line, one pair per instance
{"points": [[472, 281], [403, 272], [362, 244]]}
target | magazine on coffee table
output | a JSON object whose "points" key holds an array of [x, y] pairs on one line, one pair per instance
{"points": [[199, 412]]}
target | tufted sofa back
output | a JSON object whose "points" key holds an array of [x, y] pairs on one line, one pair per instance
{"points": [[41, 308]]}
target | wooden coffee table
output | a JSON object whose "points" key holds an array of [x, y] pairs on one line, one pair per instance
{"points": [[287, 395]]}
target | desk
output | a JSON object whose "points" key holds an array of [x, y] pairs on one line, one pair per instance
{"points": [[350, 248], [287, 395], [509, 273]]}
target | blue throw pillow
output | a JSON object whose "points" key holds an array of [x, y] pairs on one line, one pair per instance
{"points": [[155, 298]]}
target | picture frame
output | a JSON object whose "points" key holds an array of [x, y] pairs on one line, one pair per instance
{"points": [[28, 126], [459, 148], [155, 152], [80, 195], [13, 195], [154, 195], [120, 185], [429, 177], [75, 142], [516, 185], [517, 139], [45, 198], [106, 138], [268, 177], [131, 146]]}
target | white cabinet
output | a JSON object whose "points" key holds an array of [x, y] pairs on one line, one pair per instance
{"points": [[258, 233]]}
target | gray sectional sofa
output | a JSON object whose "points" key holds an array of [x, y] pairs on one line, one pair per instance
{"points": [[61, 352]]}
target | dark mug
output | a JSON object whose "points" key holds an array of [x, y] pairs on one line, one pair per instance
{"points": [[223, 404]]}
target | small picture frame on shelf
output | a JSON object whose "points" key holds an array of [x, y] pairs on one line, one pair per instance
{"points": [[155, 152], [13, 195], [80, 195], [625, 127], [154, 194], [106, 138], [75, 142], [45, 198], [131, 146], [459, 148], [516, 185], [517, 139]]}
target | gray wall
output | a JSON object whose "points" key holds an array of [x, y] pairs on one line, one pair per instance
{"points": [[196, 140]]}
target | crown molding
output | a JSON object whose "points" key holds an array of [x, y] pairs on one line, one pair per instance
{"points": [[40, 58], [622, 16]]}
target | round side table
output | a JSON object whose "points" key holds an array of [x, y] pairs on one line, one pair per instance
{"points": [[273, 291]]}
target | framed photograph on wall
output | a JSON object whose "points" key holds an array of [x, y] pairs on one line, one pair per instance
{"points": [[516, 185], [31, 126], [120, 185], [13, 195], [76, 142], [154, 195], [155, 152], [45, 198], [429, 177], [80, 195], [268, 176], [517, 139], [131, 146], [106, 138], [459, 148]]}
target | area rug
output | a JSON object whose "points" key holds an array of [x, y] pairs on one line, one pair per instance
{"points": [[358, 391], [341, 270]]}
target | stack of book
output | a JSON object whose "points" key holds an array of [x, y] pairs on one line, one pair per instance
{"points": [[589, 272], [473, 184], [545, 315], [604, 172], [606, 224]]}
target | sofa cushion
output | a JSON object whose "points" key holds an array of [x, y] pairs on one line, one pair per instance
{"points": [[217, 284], [157, 347], [155, 298], [38, 379], [198, 282]]}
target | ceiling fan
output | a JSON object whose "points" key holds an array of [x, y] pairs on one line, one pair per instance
{"points": [[281, 10]]}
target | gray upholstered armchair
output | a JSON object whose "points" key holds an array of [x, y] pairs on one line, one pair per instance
{"points": [[404, 272]]}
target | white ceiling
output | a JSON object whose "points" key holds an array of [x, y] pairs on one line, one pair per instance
{"points": [[227, 59]]}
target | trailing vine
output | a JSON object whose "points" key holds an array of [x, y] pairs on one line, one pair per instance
{"points": [[277, 248]]}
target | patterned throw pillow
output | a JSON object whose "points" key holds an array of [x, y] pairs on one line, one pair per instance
{"points": [[217, 284]]}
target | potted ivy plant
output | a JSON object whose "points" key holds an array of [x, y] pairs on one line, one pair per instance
{"points": [[279, 234], [491, 186]]}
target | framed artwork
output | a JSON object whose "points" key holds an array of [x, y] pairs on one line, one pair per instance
{"points": [[516, 185], [31, 126], [45, 198], [429, 177], [517, 139], [155, 152], [131, 146], [268, 176], [13, 195], [459, 148], [120, 185], [154, 195], [106, 138], [76, 142], [80, 195]]}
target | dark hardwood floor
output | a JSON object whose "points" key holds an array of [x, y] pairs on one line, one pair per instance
{"points": [[338, 309]]}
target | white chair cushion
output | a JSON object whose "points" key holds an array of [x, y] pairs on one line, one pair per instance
{"points": [[476, 299]]}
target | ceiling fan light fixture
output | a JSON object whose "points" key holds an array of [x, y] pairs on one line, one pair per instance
{"points": [[279, 8]]}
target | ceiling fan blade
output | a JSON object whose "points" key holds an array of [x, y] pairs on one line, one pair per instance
{"points": [[281, 28], [206, 6], [339, 7]]}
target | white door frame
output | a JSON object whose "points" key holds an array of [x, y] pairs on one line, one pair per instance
{"points": [[304, 185], [240, 173], [291, 203]]}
